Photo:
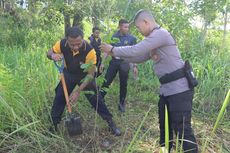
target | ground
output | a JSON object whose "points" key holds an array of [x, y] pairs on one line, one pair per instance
{"points": [[137, 137]]}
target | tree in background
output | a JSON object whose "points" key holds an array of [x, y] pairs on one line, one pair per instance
{"points": [[208, 11], [225, 12], [173, 15]]}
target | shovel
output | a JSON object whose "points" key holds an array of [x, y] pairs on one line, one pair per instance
{"points": [[73, 120]]}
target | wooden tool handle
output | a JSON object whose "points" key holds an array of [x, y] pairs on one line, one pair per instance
{"points": [[65, 92]]}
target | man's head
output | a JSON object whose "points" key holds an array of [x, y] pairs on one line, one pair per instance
{"points": [[144, 22], [74, 38], [96, 32], [123, 26]]}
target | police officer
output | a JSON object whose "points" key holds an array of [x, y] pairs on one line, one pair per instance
{"points": [[176, 94], [77, 51], [119, 65]]}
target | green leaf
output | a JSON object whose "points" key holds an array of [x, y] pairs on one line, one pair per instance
{"points": [[86, 67], [221, 114], [166, 129], [115, 40]]}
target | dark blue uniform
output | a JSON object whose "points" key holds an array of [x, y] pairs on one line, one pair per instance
{"points": [[119, 65]]}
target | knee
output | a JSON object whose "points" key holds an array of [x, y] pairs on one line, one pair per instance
{"points": [[123, 85], [183, 129]]}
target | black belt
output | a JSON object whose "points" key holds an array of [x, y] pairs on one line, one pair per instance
{"points": [[186, 71], [175, 75]]}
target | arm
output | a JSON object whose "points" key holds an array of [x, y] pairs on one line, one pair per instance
{"points": [[138, 59], [77, 91], [105, 56], [91, 60], [134, 70], [88, 78], [156, 40], [55, 52], [134, 65], [90, 40], [152, 42]]}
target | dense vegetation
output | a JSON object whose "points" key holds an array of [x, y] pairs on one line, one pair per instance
{"points": [[28, 79]]}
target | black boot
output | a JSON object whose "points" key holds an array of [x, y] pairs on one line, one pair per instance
{"points": [[113, 128], [121, 107]]}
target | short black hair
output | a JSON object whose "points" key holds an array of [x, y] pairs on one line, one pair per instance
{"points": [[138, 14], [95, 28], [144, 14], [122, 21], [74, 32]]}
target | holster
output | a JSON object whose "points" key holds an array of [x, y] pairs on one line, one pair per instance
{"points": [[186, 71]]}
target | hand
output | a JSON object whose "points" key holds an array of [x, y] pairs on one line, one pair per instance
{"points": [[101, 68], [56, 57], [74, 97], [135, 72], [106, 48]]}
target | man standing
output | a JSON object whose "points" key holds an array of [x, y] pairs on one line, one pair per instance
{"points": [[76, 51], [119, 65], [95, 42], [175, 92]]}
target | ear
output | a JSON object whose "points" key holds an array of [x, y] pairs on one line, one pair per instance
{"points": [[146, 21]]}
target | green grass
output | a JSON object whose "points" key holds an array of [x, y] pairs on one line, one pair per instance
{"points": [[28, 80], [220, 116]]}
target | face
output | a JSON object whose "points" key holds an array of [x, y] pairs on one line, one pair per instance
{"points": [[96, 33], [142, 27], [75, 43], [124, 28]]}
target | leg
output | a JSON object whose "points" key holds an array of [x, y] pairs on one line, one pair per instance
{"points": [[98, 64], [109, 76], [161, 112], [123, 75], [97, 101], [59, 100], [181, 122], [181, 119]]}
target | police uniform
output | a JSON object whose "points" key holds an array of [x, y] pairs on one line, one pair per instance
{"points": [[177, 95], [119, 65]]}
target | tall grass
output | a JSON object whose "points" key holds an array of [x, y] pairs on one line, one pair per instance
{"points": [[26, 84], [220, 116], [28, 79], [166, 128], [129, 149]]}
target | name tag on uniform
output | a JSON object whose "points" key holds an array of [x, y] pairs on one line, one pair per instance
{"points": [[117, 57]]}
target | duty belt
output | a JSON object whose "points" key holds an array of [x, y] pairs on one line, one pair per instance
{"points": [[175, 75]]}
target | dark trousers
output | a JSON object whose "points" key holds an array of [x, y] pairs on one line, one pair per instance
{"points": [[117, 65], [98, 64], [179, 108], [96, 100]]}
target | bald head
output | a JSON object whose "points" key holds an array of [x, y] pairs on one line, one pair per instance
{"points": [[144, 22], [144, 15]]}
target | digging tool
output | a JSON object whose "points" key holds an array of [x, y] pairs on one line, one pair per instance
{"points": [[73, 120]]}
